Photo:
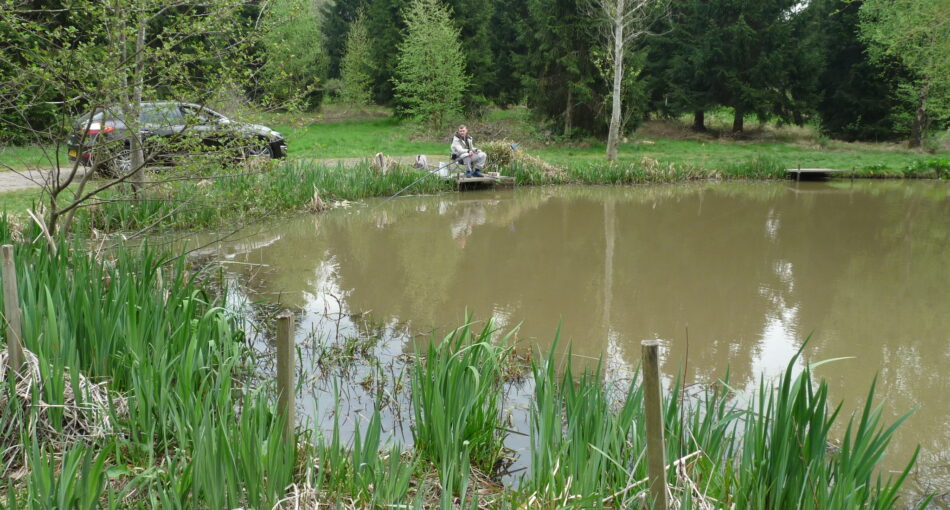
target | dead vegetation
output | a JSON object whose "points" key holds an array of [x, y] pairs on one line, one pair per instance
{"points": [[85, 411]]}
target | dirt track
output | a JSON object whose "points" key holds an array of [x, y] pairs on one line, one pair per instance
{"points": [[16, 180]]}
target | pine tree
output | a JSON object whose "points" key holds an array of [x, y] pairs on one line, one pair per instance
{"points": [[294, 63], [560, 74], [750, 47], [356, 66], [508, 41], [474, 17], [385, 23], [678, 64], [430, 71], [337, 17], [858, 99]]}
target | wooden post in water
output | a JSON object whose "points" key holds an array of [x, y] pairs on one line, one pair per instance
{"points": [[285, 371], [11, 310], [656, 451]]}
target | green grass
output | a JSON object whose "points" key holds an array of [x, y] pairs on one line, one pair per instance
{"points": [[17, 202], [456, 402], [29, 157], [359, 139]]}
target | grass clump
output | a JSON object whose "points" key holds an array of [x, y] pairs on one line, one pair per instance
{"points": [[588, 450], [230, 197], [184, 437], [456, 402]]}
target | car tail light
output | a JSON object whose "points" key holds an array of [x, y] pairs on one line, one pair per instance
{"points": [[95, 128]]}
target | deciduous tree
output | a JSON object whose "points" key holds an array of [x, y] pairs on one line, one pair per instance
{"points": [[916, 33], [89, 53], [622, 23]]}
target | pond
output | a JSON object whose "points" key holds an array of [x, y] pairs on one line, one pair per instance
{"points": [[727, 276]]}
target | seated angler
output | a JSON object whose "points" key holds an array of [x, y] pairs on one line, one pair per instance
{"points": [[464, 151]]}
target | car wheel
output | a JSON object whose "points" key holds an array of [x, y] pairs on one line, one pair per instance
{"points": [[258, 149], [121, 163]]}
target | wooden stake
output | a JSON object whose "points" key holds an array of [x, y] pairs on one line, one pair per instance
{"points": [[11, 309], [656, 452], [285, 371]]}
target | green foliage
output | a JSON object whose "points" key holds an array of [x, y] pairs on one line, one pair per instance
{"points": [[859, 99], [508, 42], [337, 17], [456, 403], [294, 60], [174, 356], [252, 196], [915, 34], [474, 18], [387, 29], [561, 80], [356, 69], [430, 74]]}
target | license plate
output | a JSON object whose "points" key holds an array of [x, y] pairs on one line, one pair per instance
{"points": [[73, 153]]}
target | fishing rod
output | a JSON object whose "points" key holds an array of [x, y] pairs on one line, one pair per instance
{"points": [[437, 168]]}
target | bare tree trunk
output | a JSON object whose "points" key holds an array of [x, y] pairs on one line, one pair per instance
{"points": [[699, 120], [613, 136], [135, 145], [738, 122], [569, 112], [920, 120]]}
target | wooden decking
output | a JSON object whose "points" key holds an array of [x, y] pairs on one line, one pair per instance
{"points": [[802, 174]]}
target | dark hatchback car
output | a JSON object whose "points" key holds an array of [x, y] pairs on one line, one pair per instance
{"points": [[168, 130]]}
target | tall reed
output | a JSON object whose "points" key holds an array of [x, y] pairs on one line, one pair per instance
{"points": [[169, 357], [456, 403]]}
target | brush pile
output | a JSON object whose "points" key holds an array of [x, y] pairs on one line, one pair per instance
{"points": [[504, 153], [79, 410]]}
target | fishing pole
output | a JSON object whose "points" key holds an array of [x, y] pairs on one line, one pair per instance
{"points": [[437, 168]]}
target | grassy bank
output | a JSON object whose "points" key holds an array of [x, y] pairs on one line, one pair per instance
{"points": [[235, 198], [660, 152], [149, 401]]}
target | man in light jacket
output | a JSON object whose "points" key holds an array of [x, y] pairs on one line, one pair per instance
{"points": [[464, 151]]}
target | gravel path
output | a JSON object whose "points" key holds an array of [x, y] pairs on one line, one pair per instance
{"points": [[16, 180]]}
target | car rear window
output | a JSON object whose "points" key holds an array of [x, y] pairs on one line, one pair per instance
{"points": [[165, 114]]}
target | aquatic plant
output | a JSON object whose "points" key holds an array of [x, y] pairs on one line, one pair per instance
{"points": [[456, 398]]}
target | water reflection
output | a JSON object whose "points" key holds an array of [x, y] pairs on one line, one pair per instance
{"points": [[733, 274]]}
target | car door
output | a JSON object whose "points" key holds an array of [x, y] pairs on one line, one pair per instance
{"points": [[204, 125], [162, 125]]}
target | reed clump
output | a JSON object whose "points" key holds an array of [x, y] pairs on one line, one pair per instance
{"points": [[50, 406]]}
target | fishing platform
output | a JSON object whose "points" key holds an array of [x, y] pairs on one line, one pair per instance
{"points": [[817, 174], [466, 183]]}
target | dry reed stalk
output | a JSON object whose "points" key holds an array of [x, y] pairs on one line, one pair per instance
{"points": [[84, 417], [316, 204], [307, 497]]}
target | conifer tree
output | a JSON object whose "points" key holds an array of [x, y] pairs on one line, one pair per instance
{"points": [[858, 99], [430, 70], [337, 16], [356, 66], [385, 23], [559, 72], [473, 17]]}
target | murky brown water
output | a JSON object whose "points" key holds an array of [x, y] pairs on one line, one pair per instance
{"points": [[730, 274]]}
